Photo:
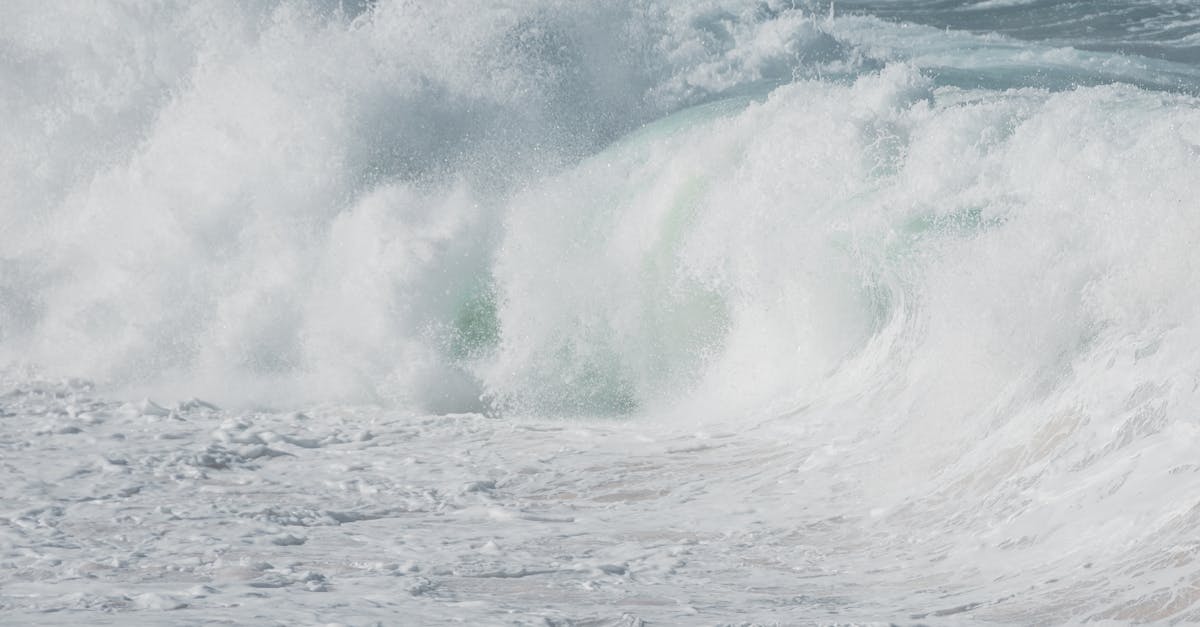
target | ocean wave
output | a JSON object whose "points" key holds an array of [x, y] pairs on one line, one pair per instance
{"points": [[556, 208]]}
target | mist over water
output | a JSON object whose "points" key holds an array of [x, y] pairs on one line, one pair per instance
{"points": [[949, 247]]}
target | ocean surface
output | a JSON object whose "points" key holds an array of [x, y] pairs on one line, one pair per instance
{"points": [[599, 313]]}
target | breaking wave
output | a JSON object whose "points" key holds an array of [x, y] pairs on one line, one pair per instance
{"points": [[641, 207], [949, 246]]}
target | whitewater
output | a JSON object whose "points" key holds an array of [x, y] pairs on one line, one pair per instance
{"points": [[553, 312]]}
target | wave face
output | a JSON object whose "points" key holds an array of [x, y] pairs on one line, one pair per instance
{"points": [[955, 241]]}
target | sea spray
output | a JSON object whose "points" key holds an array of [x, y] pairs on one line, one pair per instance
{"points": [[185, 182]]}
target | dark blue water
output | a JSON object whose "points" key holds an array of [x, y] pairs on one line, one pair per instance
{"points": [[1167, 30]]}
